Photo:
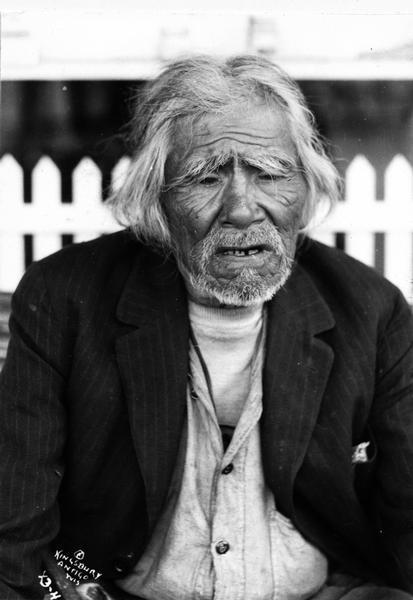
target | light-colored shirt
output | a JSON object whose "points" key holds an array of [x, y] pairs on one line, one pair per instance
{"points": [[227, 339], [220, 536]]}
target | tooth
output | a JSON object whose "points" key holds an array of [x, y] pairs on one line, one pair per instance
{"points": [[246, 252]]}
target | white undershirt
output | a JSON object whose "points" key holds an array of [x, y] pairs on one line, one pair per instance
{"points": [[227, 338]]}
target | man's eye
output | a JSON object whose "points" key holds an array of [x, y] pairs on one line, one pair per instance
{"points": [[268, 177], [209, 180], [273, 177]]}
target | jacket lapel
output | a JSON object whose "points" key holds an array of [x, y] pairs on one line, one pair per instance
{"points": [[297, 367], [153, 361]]}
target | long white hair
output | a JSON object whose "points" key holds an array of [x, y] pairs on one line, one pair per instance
{"points": [[191, 88]]}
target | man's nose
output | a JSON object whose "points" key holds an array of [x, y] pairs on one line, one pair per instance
{"points": [[240, 208]]}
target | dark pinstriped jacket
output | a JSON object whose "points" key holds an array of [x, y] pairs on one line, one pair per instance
{"points": [[93, 402]]}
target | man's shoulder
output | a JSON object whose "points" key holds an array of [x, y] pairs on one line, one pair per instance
{"points": [[319, 257], [94, 258], [344, 281], [84, 271], [101, 252]]}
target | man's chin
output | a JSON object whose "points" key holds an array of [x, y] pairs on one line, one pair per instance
{"points": [[247, 289]]}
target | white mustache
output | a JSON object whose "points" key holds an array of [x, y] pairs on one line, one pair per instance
{"points": [[265, 235]]}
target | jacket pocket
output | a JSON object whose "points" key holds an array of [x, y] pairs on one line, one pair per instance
{"points": [[364, 460]]}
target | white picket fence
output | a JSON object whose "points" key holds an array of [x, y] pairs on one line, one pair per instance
{"points": [[360, 216]]}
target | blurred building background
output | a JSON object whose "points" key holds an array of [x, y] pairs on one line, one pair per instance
{"points": [[68, 76]]}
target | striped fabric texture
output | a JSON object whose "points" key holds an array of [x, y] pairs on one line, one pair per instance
{"points": [[92, 404]]}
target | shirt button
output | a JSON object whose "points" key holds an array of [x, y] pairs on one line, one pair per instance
{"points": [[221, 547], [227, 469]]}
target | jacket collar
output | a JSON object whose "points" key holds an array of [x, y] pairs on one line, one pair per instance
{"points": [[153, 362], [154, 286]]}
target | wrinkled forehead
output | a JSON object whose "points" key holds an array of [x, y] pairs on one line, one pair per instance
{"points": [[241, 130]]}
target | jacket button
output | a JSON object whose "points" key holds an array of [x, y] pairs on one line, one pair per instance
{"points": [[221, 547], [122, 564], [120, 569]]}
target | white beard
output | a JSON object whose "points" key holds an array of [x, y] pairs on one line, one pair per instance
{"points": [[247, 289]]}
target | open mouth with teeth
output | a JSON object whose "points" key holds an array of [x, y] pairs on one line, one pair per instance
{"points": [[241, 252]]}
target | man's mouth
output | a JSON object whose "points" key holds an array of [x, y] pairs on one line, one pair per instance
{"points": [[241, 251]]}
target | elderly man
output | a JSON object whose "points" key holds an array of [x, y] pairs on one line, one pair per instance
{"points": [[209, 405]]}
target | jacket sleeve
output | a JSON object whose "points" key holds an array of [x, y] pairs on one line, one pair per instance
{"points": [[392, 423], [32, 436]]}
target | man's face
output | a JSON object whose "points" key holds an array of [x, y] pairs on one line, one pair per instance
{"points": [[234, 201]]}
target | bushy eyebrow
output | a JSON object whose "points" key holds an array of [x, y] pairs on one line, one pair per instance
{"points": [[195, 168], [271, 163]]}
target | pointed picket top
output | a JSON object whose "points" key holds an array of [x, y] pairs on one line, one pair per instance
{"points": [[46, 184], [87, 184], [119, 173], [11, 183], [398, 180], [360, 181]]}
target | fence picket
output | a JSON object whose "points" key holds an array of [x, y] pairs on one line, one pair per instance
{"points": [[11, 242], [398, 257], [360, 197], [87, 185], [47, 185], [46, 201], [11, 182], [92, 216], [87, 196], [398, 182], [11, 260], [360, 182], [359, 215]]}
